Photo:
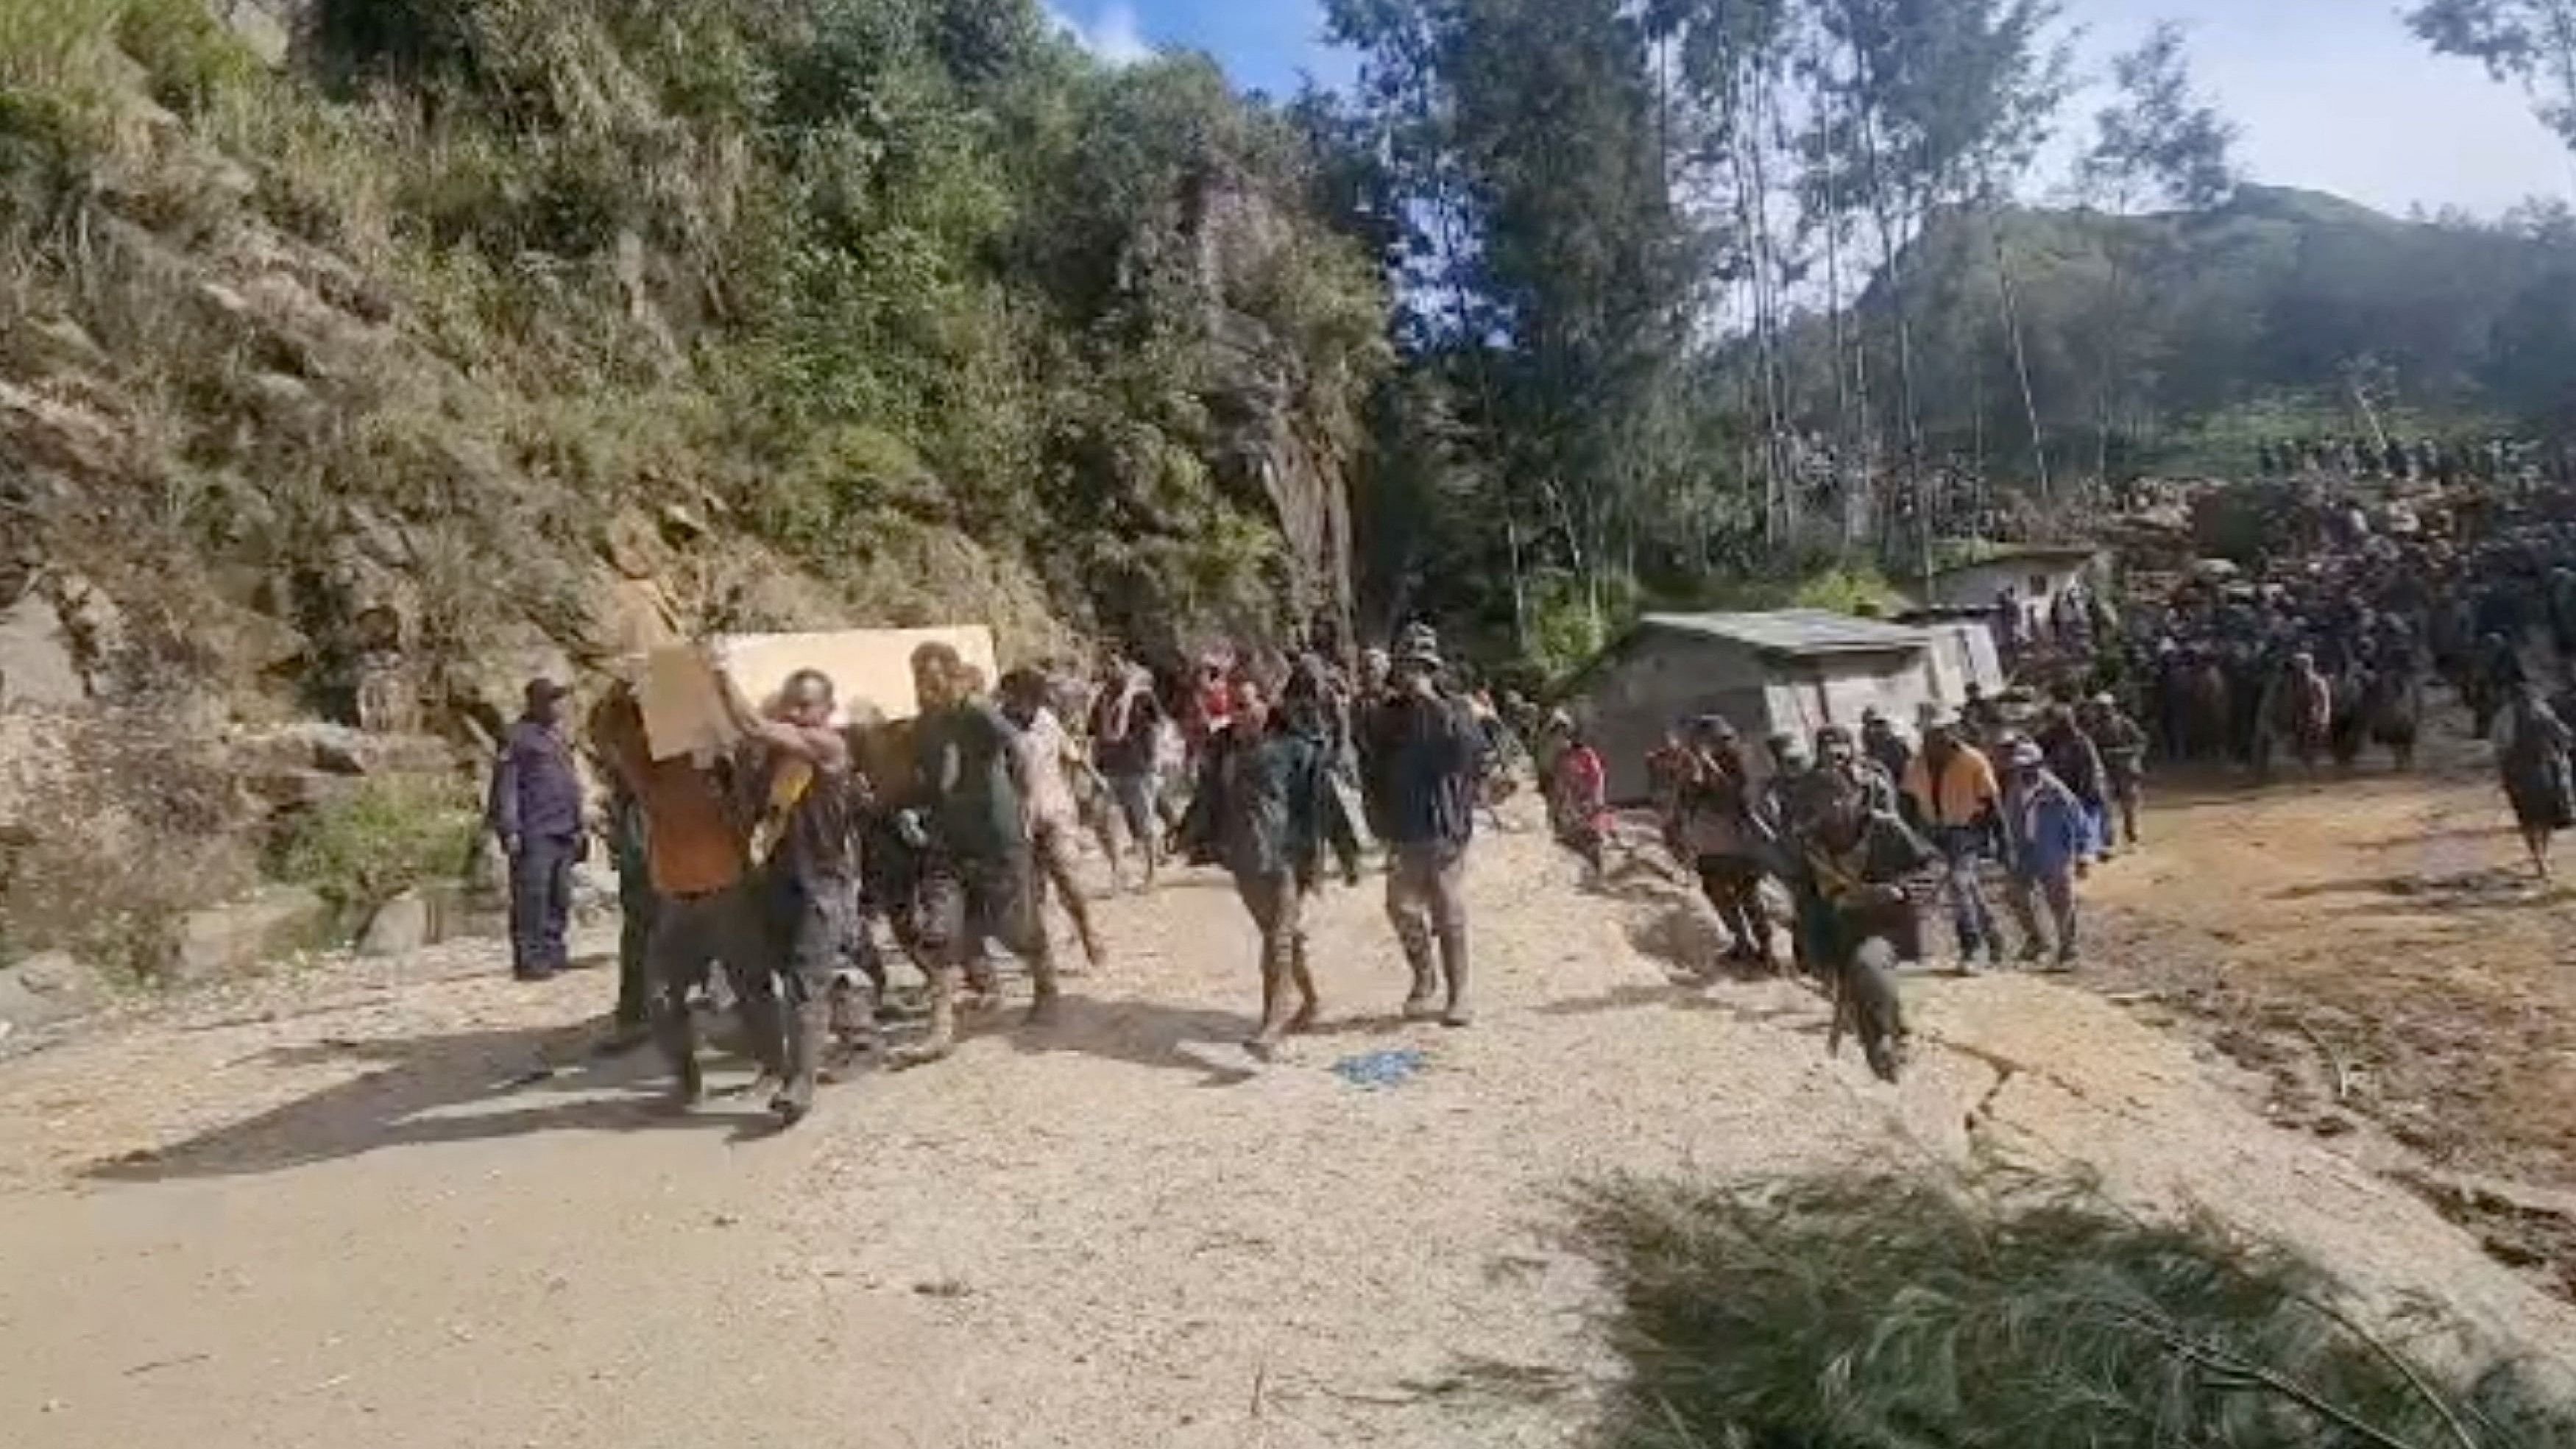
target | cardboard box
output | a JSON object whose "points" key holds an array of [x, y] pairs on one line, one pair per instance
{"points": [[870, 670]]}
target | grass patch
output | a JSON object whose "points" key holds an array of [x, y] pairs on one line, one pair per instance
{"points": [[1867, 1312], [189, 55], [393, 833]]}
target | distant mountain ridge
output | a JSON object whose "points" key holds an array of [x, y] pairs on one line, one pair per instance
{"points": [[2261, 314]]}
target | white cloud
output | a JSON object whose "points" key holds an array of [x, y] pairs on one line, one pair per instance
{"points": [[2341, 97], [1111, 35]]}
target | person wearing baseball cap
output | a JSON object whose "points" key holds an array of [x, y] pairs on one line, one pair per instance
{"points": [[2046, 839], [535, 811], [1956, 796], [1720, 833], [1423, 767]]}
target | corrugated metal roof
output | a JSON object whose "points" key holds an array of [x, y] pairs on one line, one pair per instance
{"points": [[1797, 631]]}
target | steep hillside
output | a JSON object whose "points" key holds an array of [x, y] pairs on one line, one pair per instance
{"points": [[2259, 313], [862, 308], [390, 350]]}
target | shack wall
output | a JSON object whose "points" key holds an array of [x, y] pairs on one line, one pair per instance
{"points": [[1660, 676], [1963, 650], [1808, 694]]}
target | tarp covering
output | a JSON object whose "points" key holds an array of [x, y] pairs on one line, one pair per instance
{"points": [[870, 670]]}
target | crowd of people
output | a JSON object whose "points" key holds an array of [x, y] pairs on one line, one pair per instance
{"points": [[772, 867], [2326, 648], [2443, 461], [2320, 653], [776, 867], [1855, 831], [2326, 656]]}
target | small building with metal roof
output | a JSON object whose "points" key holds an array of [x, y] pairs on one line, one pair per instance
{"points": [[1788, 671]]}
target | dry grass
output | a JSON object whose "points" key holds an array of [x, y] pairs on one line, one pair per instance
{"points": [[112, 827]]}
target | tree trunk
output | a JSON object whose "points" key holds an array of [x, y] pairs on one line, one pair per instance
{"points": [[1847, 431], [2116, 302], [1766, 271], [2021, 358], [1765, 390], [1905, 351], [1912, 420]]}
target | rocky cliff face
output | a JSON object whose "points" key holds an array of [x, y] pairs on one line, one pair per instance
{"points": [[1272, 447], [269, 455], [238, 488]]}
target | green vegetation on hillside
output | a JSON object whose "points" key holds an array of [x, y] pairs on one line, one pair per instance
{"points": [[384, 837], [2255, 320], [513, 321], [899, 309]]}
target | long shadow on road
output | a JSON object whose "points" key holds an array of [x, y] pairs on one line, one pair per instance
{"points": [[443, 1087], [1148, 1034]]}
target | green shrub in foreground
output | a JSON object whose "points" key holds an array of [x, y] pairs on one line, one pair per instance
{"points": [[393, 833], [1859, 1312]]}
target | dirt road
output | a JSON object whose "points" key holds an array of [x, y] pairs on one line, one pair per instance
{"points": [[396, 1205], [2379, 950]]}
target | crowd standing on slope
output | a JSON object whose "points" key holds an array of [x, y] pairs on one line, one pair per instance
{"points": [[774, 868]]}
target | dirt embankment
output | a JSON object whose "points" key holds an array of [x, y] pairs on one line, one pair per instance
{"points": [[395, 1204]]}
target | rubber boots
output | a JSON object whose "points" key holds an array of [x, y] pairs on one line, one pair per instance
{"points": [[765, 1030], [1453, 960], [809, 1033], [677, 1031]]}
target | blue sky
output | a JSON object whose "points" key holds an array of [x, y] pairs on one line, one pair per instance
{"points": [[2332, 94]]}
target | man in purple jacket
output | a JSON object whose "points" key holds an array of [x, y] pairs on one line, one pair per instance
{"points": [[536, 812]]}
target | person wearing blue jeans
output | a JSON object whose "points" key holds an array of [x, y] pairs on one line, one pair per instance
{"points": [[1963, 856], [536, 812], [1955, 795], [2046, 840]]}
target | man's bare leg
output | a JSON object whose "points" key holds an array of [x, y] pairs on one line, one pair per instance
{"points": [[1411, 915], [1309, 1004], [1057, 857], [1273, 903], [941, 1040], [1048, 1006], [1453, 965]]}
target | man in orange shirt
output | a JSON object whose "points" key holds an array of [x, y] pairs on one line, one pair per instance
{"points": [[697, 851], [1957, 798]]}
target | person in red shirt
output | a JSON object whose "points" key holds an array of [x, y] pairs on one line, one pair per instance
{"points": [[1214, 703], [1579, 799]]}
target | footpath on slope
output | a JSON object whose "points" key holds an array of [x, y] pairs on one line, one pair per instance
{"points": [[394, 1204]]}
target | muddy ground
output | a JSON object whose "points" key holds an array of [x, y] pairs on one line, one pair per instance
{"points": [[399, 1204], [2379, 950]]}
